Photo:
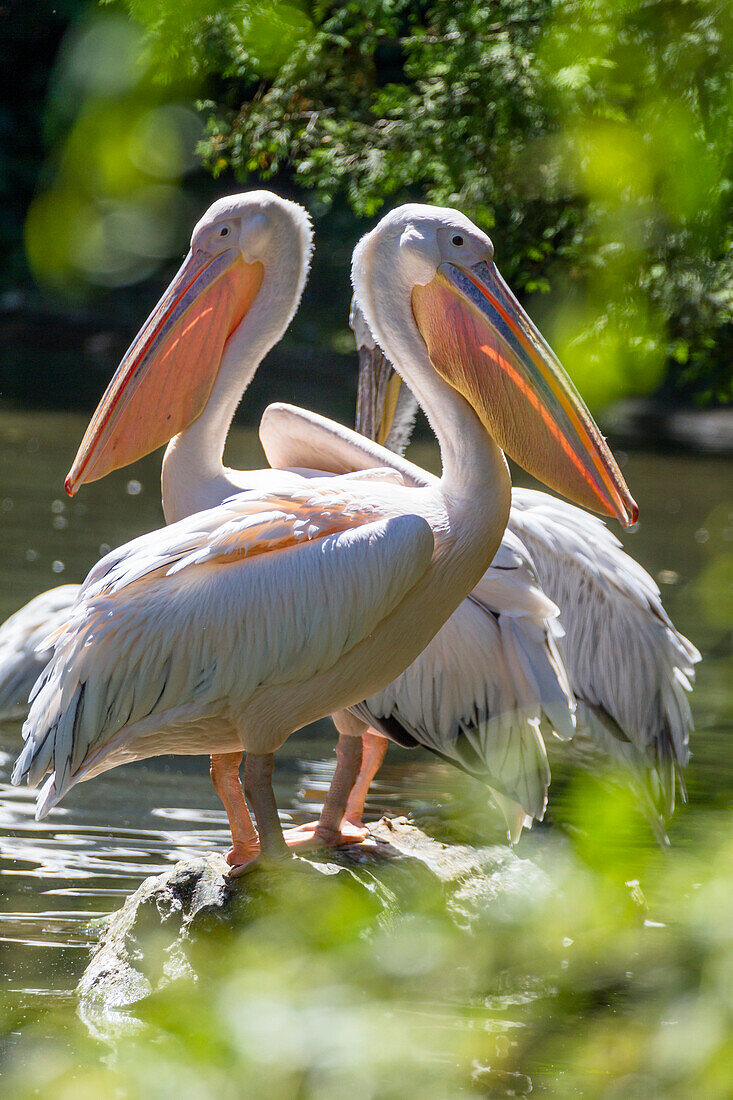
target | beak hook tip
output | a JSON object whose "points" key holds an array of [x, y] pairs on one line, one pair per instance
{"points": [[68, 486], [631, 513]]}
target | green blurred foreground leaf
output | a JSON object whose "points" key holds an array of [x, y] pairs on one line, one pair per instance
{"points": [[597, 986]]}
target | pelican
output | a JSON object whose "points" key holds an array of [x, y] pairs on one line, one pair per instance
{"points": [[629, 669], [229, 630], [525, 691], [195, 411]]}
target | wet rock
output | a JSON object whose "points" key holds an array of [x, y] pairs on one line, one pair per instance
{"points": [[141, 947], [145, 944]]}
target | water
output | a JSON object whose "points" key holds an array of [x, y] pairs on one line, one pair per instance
{"points": [[60, 875]]}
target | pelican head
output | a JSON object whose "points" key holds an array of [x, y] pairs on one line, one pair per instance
{"points": [[426, 282], [244, 251]]}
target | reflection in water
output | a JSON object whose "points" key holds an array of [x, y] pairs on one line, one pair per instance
{"points": [[58, 876]]}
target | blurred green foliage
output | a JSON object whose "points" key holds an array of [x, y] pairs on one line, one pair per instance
{"points": [[594, 137], [609, 975], [119, 148]]}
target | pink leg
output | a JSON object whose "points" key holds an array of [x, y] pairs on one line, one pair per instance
{"points": [[331, 829], [258, 771], [374, 747], [228, 785]]}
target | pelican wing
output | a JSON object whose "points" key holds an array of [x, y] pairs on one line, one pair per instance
{"points": [[261, 590], [294, 438], [21, 661], [629, 667], [482, 691]]}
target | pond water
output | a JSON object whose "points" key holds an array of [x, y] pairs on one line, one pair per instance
{"points": [[93, 850]]}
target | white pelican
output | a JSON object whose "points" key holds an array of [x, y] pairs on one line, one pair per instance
{"points": [[629, 669], [149, 410], [525, 685], [231, 629]]}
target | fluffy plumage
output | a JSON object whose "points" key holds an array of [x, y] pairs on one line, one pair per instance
{"points": [[629, 668], [173, 634], [21, 660], [491, 683]]}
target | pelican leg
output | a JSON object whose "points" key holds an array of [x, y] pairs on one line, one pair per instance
{"points": [[228, 785], [258, 770], [374, 747], [348, 762], [331, 829]]}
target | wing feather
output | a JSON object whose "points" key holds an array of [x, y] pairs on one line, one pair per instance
{"points": [[627, 663], [466, 700], [21, 662], [193, 615]]}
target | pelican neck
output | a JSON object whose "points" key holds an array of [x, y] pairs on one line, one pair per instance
{"points": [[193, 475]]}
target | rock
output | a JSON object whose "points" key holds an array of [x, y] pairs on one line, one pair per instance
{"points": [[143, 946], [121, 970]]}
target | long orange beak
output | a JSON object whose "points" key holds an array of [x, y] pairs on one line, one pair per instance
{"points": [[483, 343], [166, 376]]}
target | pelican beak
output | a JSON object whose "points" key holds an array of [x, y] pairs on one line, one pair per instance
{"points": [[166, 375], [385, 407], [482, 343], [377, 393], [392, 388]]}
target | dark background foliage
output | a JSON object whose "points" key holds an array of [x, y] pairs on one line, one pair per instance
{"points": [[592, 139]]}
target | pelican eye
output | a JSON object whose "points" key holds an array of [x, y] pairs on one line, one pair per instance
{"points": [[457, 240], [224, 231]]}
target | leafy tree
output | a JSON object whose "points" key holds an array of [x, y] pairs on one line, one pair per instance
{"points": [[594, 137]]}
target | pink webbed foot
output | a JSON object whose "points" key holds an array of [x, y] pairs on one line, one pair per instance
{"points": [[240, 854], [314, 835], [353, 824], [240, 858]]}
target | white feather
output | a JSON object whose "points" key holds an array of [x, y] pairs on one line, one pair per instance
{"points": [[187, 622], [21, 660]]}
